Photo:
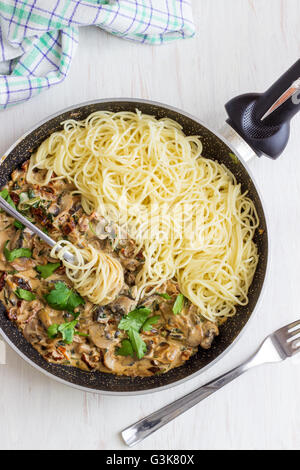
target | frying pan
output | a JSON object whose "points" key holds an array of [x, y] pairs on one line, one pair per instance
{"points": [[258, 124]]}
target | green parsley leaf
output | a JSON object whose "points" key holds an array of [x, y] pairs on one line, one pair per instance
{"points": [[63, 298], [178, 305], [138, 345], [19, 225], [126, 349], [24, 294], [164, 296], [47, 270], [66, 329], [53, 330], [147, 326], [5, 195], [17, 253], [135, 319], [133, 323], [26, 201]]}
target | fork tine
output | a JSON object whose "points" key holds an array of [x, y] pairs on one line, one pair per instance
{"points": [[292, 325], [285, 332], [295, 345], [287, 340], [292, 334]]}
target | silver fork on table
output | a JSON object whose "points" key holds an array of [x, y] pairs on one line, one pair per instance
{"points": [[277, 347]]}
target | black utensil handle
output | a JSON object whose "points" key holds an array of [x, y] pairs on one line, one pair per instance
{"points": [[263, 120]]}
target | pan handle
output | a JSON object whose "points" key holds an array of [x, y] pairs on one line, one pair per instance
{"points": [[263, 119]]}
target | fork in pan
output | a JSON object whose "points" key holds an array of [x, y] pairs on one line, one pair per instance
{"points": [[277, 347]]}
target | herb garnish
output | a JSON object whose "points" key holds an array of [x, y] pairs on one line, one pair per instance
{"points": [[5, 195], [138, 344], [178, 304], [63, 298], [136, 321], [147, 326], [24, 294], [17, 253], [164, 296], [47, 270], [67, 330], [28, 200], [126, 349]]}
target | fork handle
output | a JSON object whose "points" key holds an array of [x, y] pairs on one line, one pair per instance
{"points": [[42, 235], [146, 426]]}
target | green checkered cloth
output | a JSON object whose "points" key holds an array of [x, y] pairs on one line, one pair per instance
{"points": [[38, 38]]}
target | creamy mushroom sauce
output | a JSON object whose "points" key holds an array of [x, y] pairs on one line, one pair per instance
{"points": [[172, 340]]}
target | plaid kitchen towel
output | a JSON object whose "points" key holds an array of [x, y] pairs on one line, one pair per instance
{"points": [[38, 38]]}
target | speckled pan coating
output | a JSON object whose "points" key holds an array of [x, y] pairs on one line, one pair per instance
{"points": [[213, 148]]}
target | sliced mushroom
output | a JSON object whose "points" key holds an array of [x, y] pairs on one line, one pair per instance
{"points": [[130, 264], [119, 365], [65, 201], [152, 301], [23, 264], [122, 305], [47, 193], [17, 240], [81, 347], [111, 361], [167, 353], [101, 314], [83, 224], [97, 336], [202, 334], [33, 331], [195, 335], [28, 311], [5, 221], [129, 278], [44, 317], [210, 331], [54, 210]]}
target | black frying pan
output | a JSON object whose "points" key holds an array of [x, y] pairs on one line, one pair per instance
{"points": [[250, 135]]}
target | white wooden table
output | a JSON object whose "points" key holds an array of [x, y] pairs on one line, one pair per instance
{"points": [[241, 46]]}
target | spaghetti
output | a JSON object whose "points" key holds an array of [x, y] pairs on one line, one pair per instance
{"points": [[94, 274], [186, 213]]}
